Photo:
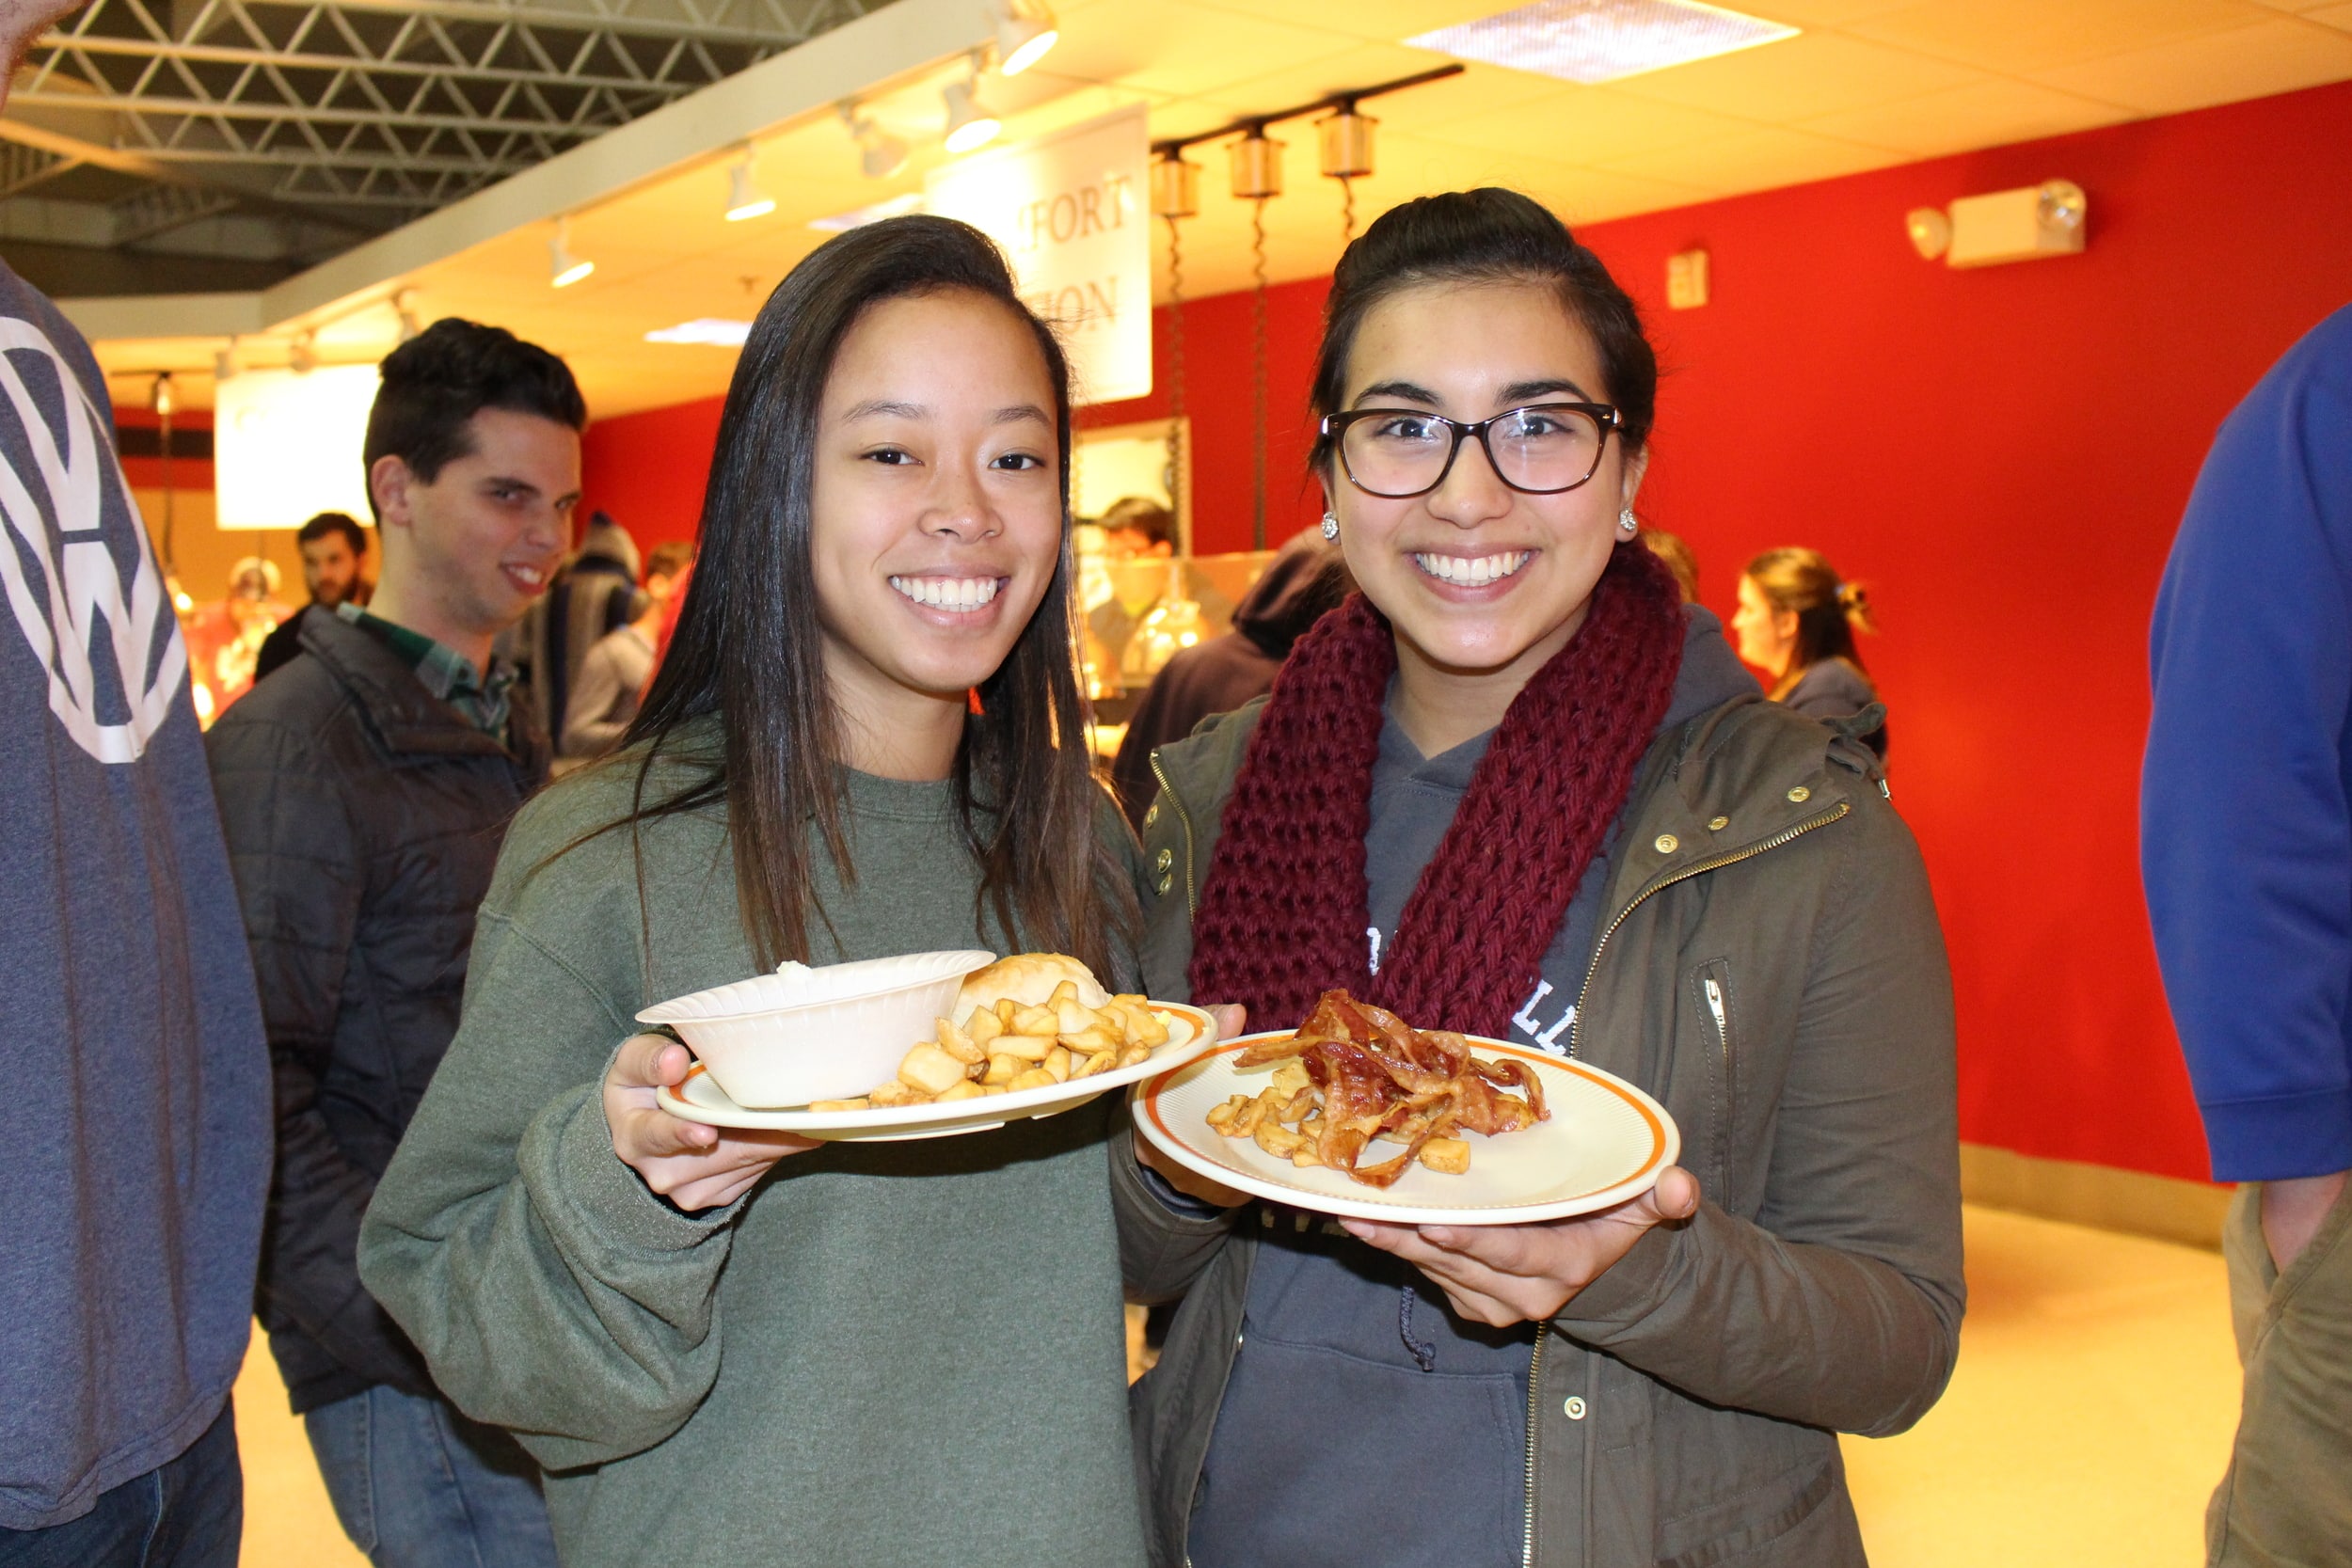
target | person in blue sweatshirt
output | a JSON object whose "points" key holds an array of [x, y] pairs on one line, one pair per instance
{"points": [[2246, 848]]}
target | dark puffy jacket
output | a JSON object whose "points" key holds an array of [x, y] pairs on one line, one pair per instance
{"points": [[363, 816]]}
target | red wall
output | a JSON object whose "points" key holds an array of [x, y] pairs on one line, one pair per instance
{"points": [[2001, 456]]}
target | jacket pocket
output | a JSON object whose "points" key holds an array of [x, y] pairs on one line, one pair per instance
{"points": [[1729, 1529]]}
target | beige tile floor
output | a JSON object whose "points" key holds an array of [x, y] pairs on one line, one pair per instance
{"points": [[2090, 1417]]}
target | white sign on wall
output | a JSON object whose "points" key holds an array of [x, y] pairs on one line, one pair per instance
{"points": [[286, 447], [1069, 211]]}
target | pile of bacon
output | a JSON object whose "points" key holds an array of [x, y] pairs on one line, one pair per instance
{"points": [[1370, 1075]]}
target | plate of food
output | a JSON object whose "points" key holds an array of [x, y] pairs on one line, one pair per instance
{"points": [[1026, 1037], [1356, 1113]]}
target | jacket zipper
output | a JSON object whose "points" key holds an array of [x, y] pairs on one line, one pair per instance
{"points": [[1192, 894], [1535, 1405], [1576, 1024], [1723, 1025]]}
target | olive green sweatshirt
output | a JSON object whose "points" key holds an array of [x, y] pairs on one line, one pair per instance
{"points": [[886, 1353]]}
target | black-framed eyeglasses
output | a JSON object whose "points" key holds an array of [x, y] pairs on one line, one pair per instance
{"points": [[1539, 449]]}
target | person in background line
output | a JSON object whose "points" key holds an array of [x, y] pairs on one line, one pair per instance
{"points": [[592, 596], [1308, 577], [334, 548], [134, 1136], [365, 791], [1796, 623], [2245, 847], [1135, 529], [1669, 549], [605, 698]]}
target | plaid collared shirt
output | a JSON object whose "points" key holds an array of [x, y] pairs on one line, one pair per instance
{"points": [[446, 672]]}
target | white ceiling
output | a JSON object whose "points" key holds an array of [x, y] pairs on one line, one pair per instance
{"points": [[1868, 84]]}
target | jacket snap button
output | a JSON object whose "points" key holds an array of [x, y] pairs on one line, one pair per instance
{"points": [[1166, 858], [1166, 882], [1717, 824], [1574, 1408], [1668, 844], [1151, 815], [1800, 794]]}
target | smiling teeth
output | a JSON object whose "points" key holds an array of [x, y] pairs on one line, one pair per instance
{"points": [[947, 593], [1475, 572]]}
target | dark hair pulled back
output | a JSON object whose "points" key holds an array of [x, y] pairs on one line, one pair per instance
{"points": [[1487, 235]]}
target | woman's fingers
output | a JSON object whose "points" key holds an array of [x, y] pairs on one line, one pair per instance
{"points": [[1232, 1019], [649, 1062]]}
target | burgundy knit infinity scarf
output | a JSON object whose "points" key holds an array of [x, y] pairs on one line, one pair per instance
{"points": [[1284, 914]]}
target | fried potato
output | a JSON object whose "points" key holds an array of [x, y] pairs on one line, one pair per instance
{"points": [[858, 1104], [1057, 1062], [897, 1093], [1291, 1076], [1034, 1078], [1035, 1021], [1144, 1025], [1221, 1117], [983, 1025], [1102, 1061], [931, 1069], [1135, 1055], [959, 1045], [1071, 1019], [962, 1089], [1006, 1007], [1275, 1138], [1063, 995], [1447, 1156], [1003, 1069], [1307, 1155], [1028, 1047], [1093, 1037]]}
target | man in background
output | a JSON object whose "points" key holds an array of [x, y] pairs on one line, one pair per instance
{"points": [[135, 1133], [604, 700], [334, 548], [365, 790], [2245, 846], [1137, 532], [592, 596]]}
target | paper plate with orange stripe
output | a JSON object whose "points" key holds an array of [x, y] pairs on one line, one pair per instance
{"points": [[1606, 1142]]}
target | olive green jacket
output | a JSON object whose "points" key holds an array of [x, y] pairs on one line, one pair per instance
{"points": [[1684, 1406]]}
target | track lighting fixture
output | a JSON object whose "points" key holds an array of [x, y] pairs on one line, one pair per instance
{"points": [[1175, 186], [1025, 31], [880, 153], [744, 199], [564, 268], [1257, 166], [970, 126]]}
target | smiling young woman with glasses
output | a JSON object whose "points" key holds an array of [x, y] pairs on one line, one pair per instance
{"points": [[1513, 788]]}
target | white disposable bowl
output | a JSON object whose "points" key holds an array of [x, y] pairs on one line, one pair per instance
{"points": [[816, 1033]]}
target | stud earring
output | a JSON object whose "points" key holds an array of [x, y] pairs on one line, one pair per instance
{"points": [[1331, 525], [1627, 524]]}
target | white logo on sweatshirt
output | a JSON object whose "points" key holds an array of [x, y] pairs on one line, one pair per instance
{"points": [[61, 578]]}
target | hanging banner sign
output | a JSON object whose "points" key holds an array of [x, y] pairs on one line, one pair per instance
{"points": [[1069, 211]]}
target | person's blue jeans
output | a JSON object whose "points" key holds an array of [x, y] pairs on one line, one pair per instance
{"points": [[188, 1513], [418, 1485]]}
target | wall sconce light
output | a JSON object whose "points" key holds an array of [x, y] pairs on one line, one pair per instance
{"points": [[970, 126], [744, 200], [225, 361], [1256, 166], [1025, 31], [564, 268], [880, 153], [161, 398], [1686, 280], [405, 307], [304, 357], [2022, 225]]}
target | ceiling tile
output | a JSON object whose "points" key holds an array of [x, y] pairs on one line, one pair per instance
{"points": [[1759, 157], [1171, 46], [1386, 20], [2267, 58], [1588, 126], [1809, 74], [1818, 13], [1477, 89], [1982, 114], [2022, 36]]}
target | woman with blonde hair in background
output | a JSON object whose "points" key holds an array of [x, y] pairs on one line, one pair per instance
{"points": [[1796, 622]]}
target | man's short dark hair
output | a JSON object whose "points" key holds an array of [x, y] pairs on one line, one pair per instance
{"points": [[325, 523], [1145, 517], [438, 381]]}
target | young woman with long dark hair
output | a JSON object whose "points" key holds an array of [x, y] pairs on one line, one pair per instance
{"points": [[1515, 789], [741, 1348]]}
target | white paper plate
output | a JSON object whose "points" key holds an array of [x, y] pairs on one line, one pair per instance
{"points": [[1190, 1031], [1606, 1142]]}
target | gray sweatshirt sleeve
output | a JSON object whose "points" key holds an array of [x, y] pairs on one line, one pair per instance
{"points": [[550, 1290]]}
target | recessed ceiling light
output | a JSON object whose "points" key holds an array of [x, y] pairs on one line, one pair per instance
{"points": [[858, 217], [1600, 41], [716, 330]]}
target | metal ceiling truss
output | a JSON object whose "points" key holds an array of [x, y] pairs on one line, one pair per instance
{"points": [[371, 112]]}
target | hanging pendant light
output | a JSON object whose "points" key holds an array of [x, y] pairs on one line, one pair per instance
{"points": [[880, 153], [564, 268], [1256, 166], [1348, 158], [1025, 31], [1256, 169], [744, 200], [1175, 186], [970, 126]]}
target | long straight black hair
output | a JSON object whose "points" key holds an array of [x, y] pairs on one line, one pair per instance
{"points": [[748, 648]]}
